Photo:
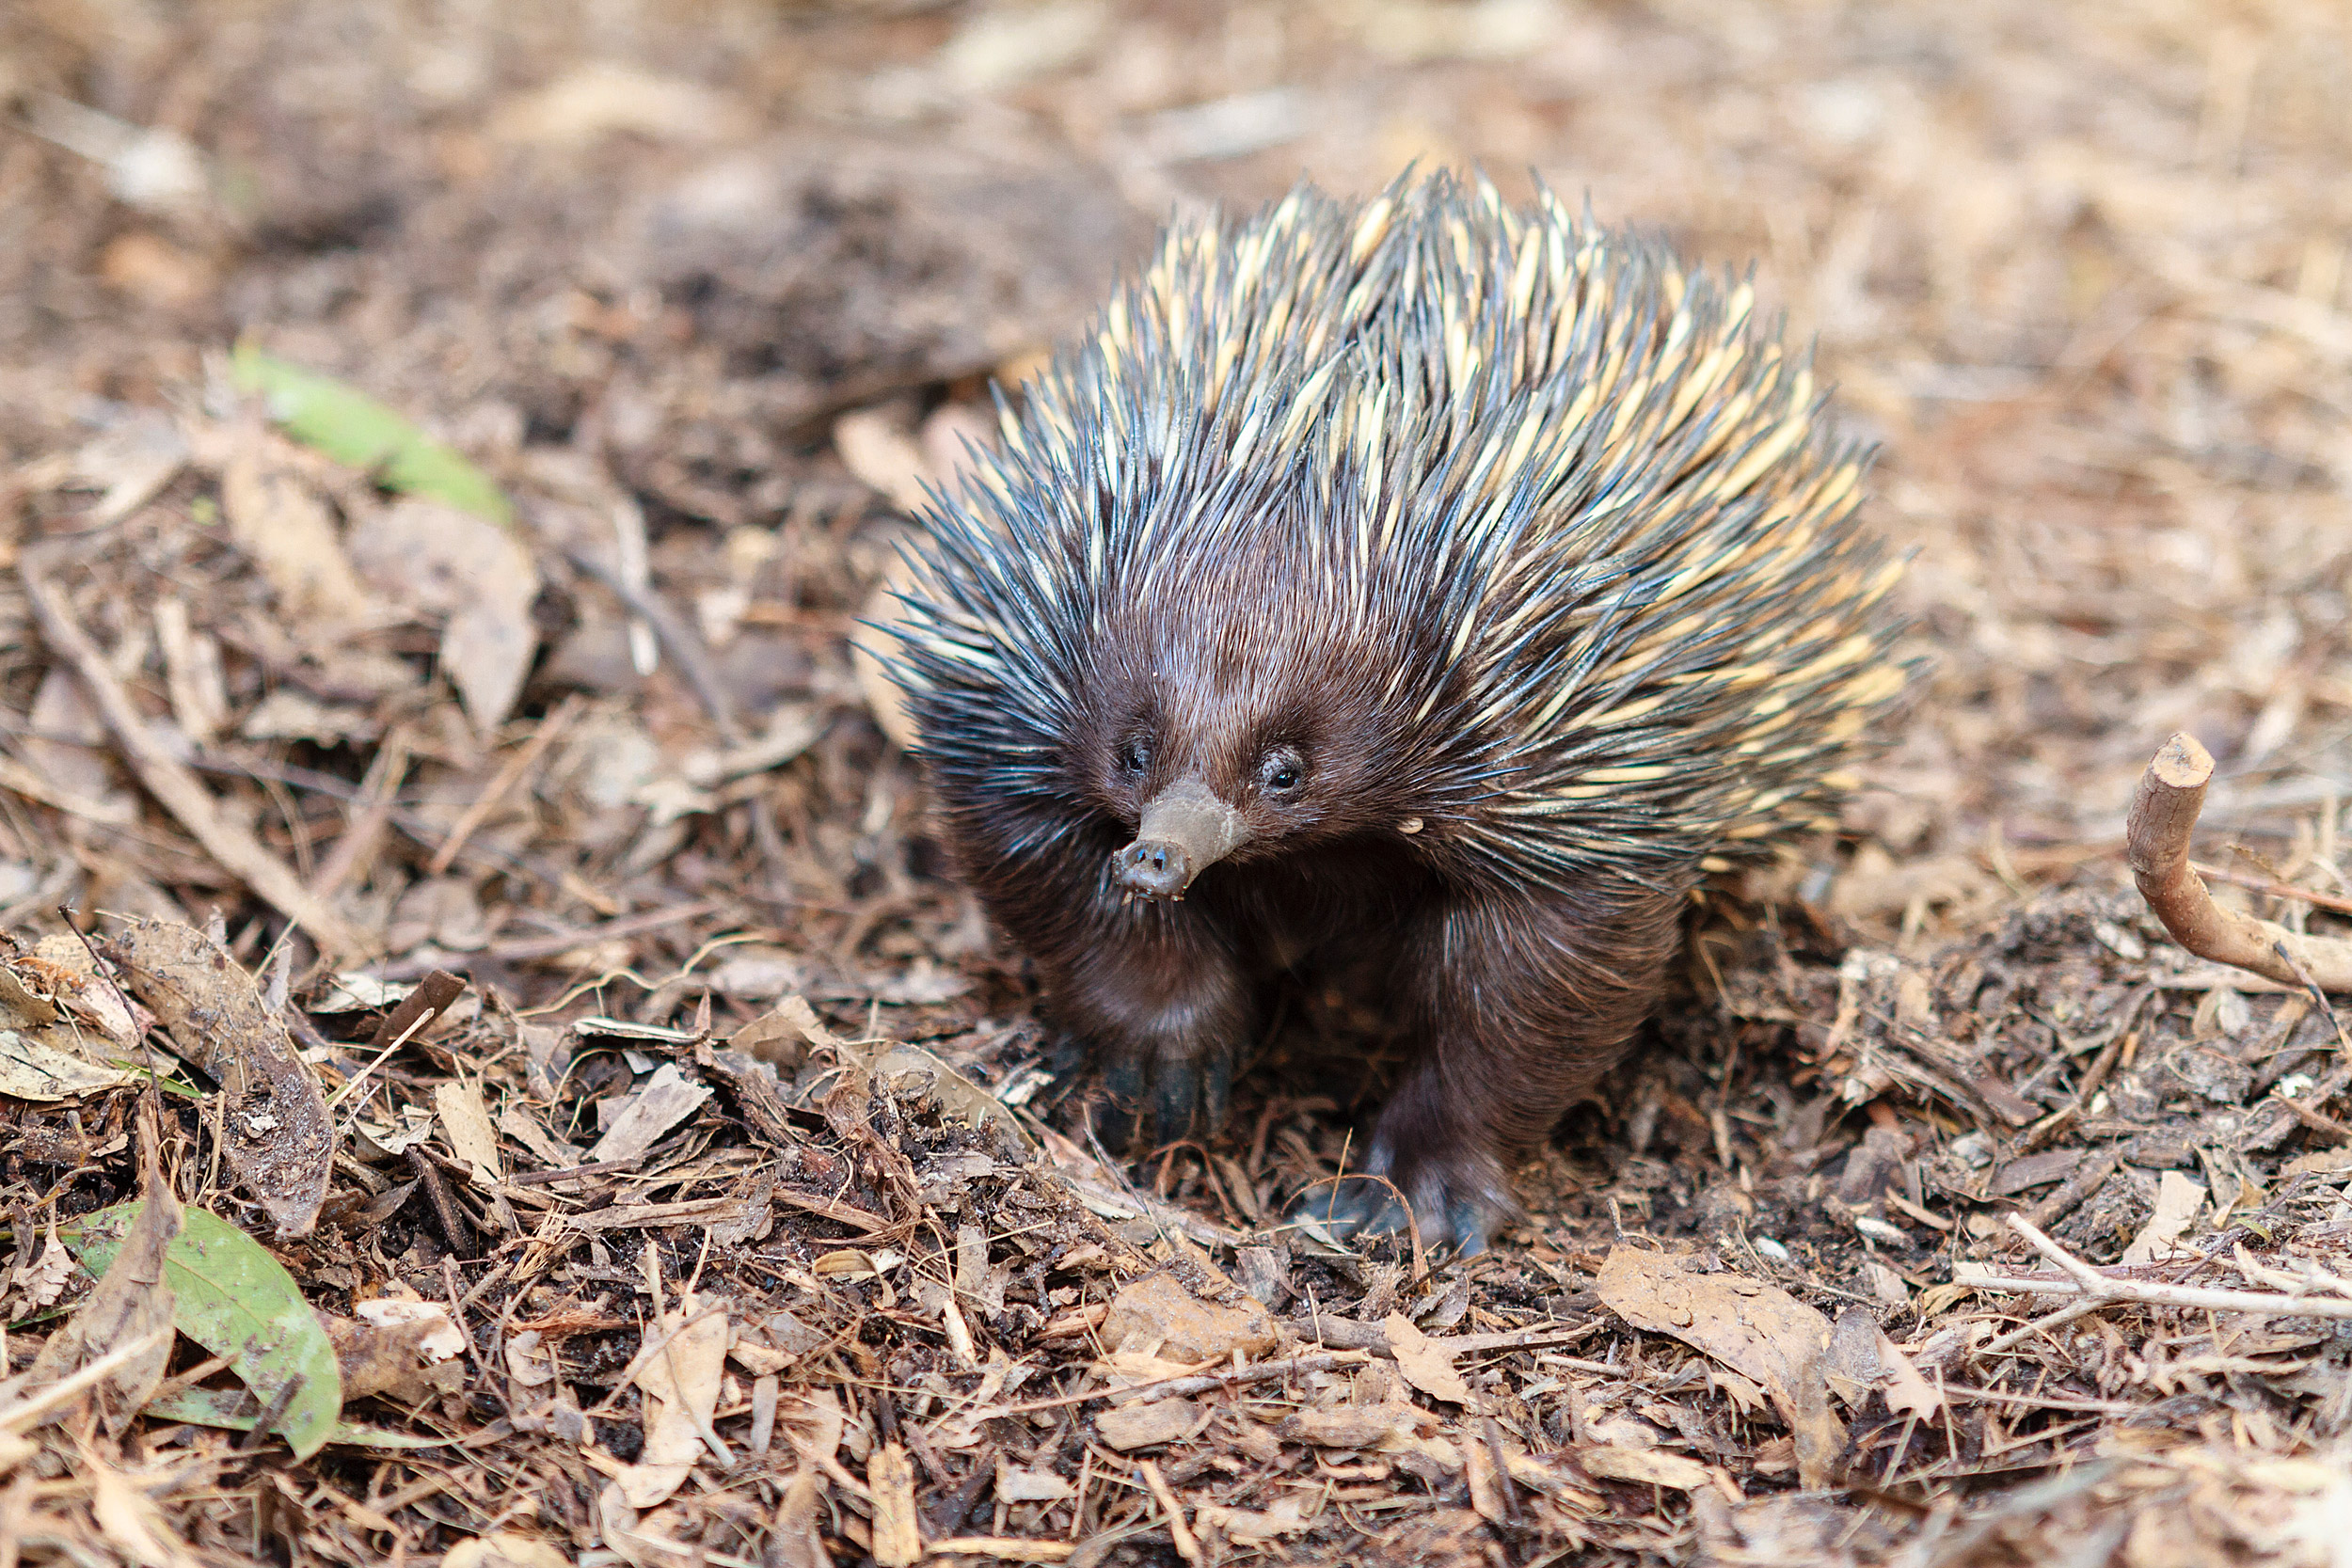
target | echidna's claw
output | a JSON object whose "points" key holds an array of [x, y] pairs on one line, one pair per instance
{"points": [[1458, 1196], [1365, 1206], [1146, 1103]]}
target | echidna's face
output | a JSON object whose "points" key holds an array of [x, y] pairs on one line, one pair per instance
{"points": [[1233, 742]]}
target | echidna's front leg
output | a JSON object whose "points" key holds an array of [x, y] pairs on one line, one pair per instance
{"points": [[1523, 1005], [1165, 1009]]}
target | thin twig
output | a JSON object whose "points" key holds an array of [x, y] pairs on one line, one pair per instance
{"points": [[1185, 1383], [373, 1062], [1179, 1533], [272, 1413], [378, 792], [554, 945], [2313, 1120], [229, 843], [518, 767], [2333, 903], [599, 1167], [455, 1229], [33, 1406], [2319, 993], [2083, 1281], [694, 659], [2058, 1318]]}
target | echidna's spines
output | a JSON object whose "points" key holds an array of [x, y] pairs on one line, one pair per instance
{"points": [[1572, 462]]}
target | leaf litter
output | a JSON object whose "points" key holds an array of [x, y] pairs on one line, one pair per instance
{"points": [[601, 1131]]}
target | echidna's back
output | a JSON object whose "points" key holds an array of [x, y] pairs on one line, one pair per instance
{"points": [[1594, 513]]}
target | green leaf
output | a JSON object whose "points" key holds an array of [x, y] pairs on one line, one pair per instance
{"points": [[233, 1408], [147, 1075], [350, 427], [233, 1298]]}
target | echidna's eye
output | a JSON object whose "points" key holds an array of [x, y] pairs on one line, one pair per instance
{"points": [[1132, 757], [1282, 772]]}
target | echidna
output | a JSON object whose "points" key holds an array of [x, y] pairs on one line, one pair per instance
{"points": [[1425, 578]]}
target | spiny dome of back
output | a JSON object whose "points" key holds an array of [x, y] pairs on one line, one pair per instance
{"points": [[1578, 515]]}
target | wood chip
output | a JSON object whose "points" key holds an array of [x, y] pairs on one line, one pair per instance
{"points": [[890, 1475]]}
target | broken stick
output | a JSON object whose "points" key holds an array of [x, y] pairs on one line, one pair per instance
{"points": [[2164, 812]]}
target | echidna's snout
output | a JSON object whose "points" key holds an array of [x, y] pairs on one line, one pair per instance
{"points": [[1186, 829]]}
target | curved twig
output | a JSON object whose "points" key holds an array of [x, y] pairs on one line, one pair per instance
{"points": [[2164, 812]]}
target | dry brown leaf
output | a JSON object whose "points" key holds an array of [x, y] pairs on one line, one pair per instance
{"points": [[66, 746], [30, 1069], [601, 97], [136, 457], [1907, 1393], [192, 677], [1156, 1310], [1487, 1493], [796, 1542], [131, 1301], [43, 1279], [71, 980], [1286, 1515], [666, 1099], [21, 1003], [466, 1121], [1016, 1484], [796, 1012], [883, 456], [487, 650], [287, 531], [1643, 1466], [680, 1381], [529, 1361], [1758, 1330], [639, 1540], [504, 1549], [286, 714], [772, 1039], [907, 1066], [528, 1131], [471, 575], [1130, 1427], [1367, 1427], [129, 1519], [885, 697], [274, 1127], [815, 1424], [2178, 1200], [401, 1349], [1426, 1365]]}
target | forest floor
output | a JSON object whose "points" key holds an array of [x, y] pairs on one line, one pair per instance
{"points": [[524, 1088]]}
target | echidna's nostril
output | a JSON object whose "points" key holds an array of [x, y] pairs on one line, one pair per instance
{"points": [[1157, 869]]}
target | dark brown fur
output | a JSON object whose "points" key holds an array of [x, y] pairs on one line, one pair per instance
{"points": [[1518, 997]]}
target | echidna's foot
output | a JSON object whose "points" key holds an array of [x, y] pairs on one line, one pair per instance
{"points": [[1066, 1057], [1459, 1203], [1153, 1101], [1362, 1205]]}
